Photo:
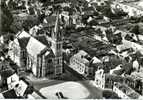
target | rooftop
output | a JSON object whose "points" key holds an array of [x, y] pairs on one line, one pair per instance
{"points": [[134, 3], [128, 91], [81, 55], [43, 40], [9, 94], [34, 47], [23, 42]]}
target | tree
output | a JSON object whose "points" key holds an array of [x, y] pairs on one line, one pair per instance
{"points": [[41, 18], [135, 30], [6, 18], [93, 22], [29, 23], [16, 26]]}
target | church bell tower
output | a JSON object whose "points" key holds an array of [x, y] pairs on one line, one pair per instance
{"points": [[57, 43]]}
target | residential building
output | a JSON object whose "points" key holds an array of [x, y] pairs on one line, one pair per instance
{"points": [[129, 80], [100, 78], [21, 87], [84, 64], [65, 17], [138, 76], [79, 63], [12, 81], [125, 92], [99, 2], [8, 94], [132, 8]]}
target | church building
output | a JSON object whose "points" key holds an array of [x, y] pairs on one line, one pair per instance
{"points": [[44, 53]]}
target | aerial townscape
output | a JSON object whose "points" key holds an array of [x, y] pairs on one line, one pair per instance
{"points": [[71, 49]]}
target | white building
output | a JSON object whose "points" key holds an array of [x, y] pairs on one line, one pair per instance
{"points": [[79, 63], [20, 88], [99, 2], [82, 63], [132, 8], [100, 79], [125, 92], [18, 85], [16, 48], [12, 81]]}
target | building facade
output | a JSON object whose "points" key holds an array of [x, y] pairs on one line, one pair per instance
{"points": [[130, 8], [125, 92], [84, 64], [79, 63], [17, 49], [100, 79]]}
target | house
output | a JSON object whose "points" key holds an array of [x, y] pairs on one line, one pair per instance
{"points": [[33, 31], [1, 39], [12, 81], [112, 71], [79, 63], [125, 92], [138, 76], [21, 87], [84, 64], [132, 8], [4, 75], [100, 79], [17, 49], [99, 2], [8, 94], [17, 92], [66, 17]]}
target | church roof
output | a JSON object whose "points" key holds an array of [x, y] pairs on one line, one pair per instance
{"points": [[43, 40], [22, 34], [23, 42], [34, 47]]}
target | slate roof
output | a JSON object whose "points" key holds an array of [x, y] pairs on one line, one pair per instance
{"points": [[7, 73], [34, 47], [128, 91], [10, 94], [22, 34], [23, 42], [43, 40]]}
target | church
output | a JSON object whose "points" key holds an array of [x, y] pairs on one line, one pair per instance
{"points": [[40, 54]]}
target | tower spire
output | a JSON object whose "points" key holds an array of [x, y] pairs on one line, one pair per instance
{"points": [[57, 46], [57, 23]]}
